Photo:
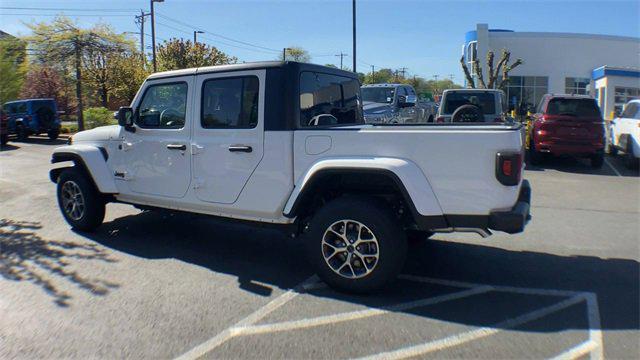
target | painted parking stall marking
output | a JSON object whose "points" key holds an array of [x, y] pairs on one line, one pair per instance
{"points": [[249, 325]]}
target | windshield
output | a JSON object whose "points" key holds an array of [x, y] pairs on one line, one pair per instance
{"points": [[378, 94], [573, 107], [40, 105], [485, 101]]}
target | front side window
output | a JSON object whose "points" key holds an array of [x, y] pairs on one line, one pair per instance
{"points": [[629, 111], [525, 92], [329, 100], [230, 103], [163, 106]]}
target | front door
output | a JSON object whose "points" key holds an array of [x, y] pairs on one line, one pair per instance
{"points": [[156, 157], [228, 133]]}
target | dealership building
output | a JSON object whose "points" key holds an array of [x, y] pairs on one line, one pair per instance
{"points": [[603, 66]]}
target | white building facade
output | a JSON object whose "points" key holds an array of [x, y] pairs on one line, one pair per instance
{"points": [[606, 67]]}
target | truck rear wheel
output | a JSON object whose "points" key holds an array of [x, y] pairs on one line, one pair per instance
{"points": [[630, 160], [356, 244], [53, 134], [80, 202], [597, 160]]}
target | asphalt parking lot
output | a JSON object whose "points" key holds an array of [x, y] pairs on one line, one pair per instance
{"points": [[158, 285]]}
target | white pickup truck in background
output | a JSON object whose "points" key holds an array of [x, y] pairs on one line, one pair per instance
{"points": [[285, 144]]}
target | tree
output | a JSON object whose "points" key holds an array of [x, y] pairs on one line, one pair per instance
{"points": [[127, 72], [296, 53], [63, 43], [180, 54], [42, 81], [13, 65], [98, 61], [499, 72]]}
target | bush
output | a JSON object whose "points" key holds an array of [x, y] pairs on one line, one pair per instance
{"points": [[69, 129], [98, 116]]}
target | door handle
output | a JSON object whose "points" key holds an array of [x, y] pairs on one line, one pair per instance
{"points": [[240, 148], [182, 147]]}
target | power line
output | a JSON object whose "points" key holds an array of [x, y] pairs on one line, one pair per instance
{"points": [[63, 9], [215, 34], [92, 15]]}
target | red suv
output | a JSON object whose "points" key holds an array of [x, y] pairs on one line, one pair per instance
{"points": [[567, 125]]}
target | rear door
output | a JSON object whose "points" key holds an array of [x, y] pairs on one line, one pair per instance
{"points": [[228, 140]]}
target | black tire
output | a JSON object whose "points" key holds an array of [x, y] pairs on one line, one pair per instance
{"points": [[597, 160], [94, 205], [535, 157], [612, 149], [630, 160], [377, 218], [4, 139], [53, 134], [430, 120], [22, 134]]}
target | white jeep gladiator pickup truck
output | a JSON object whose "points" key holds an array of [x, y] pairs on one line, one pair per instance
{"points": [[285, 144]]}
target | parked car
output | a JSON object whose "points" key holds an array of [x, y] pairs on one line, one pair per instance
{"points": [[567, 125], [395, 104], [227, 141], [624, 133], [4, 128], [472, 105], [32, 117]]}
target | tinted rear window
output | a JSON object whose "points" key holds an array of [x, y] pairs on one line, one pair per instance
{"points": [[38, 105], [325, 94], [486, 101], [573, 107]]}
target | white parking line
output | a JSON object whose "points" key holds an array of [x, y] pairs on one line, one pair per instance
{"points": [[246, 326], [612, 167], [256, 316], [465, 337], [354, 315]]}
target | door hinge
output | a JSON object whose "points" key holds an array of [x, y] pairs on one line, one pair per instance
{"points": [[196, 149]]}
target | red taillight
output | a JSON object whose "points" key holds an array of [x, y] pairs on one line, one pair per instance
{"points": [[440, 119], [509, 168], [506, 168]]}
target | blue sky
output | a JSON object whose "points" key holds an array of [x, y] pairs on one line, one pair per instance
{"points": [[423, 36]]}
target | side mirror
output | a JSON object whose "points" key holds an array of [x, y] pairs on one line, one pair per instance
{"points": [[125, 118]]}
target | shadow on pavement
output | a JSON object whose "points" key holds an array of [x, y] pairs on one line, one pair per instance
{"points": [[583, 166], [268, 257], [9, 147], [25, 256]]}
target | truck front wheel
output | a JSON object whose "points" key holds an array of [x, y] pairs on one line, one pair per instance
{"points": [[80, 202], [356, 244]]}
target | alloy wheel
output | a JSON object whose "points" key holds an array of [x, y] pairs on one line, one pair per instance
{"points": [[350, 249]]}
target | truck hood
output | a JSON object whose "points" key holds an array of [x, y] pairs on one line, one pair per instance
{"points": [[371, 107], [103, 133]]}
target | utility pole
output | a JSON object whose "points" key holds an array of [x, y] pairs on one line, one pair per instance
{"points": [[195, 33], [284, 54], [395, 76], [140, 20], [341, 55], [373, 73], [153, 35], [435, 85], [403, 70], [354, 35], [451, 76]]}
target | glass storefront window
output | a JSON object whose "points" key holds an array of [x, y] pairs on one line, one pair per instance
{"points": [[624, 95], [579, 86], [525, 92]]}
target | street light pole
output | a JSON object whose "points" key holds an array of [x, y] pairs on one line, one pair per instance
{"points": [[195, 39], [153, 35], [354, 35]]}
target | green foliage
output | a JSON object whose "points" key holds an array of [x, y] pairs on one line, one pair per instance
{"points": [[126, 73], [67, 47], [69, 129], [180, 54], [296, 53], [13, 66], [98, 116]]}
